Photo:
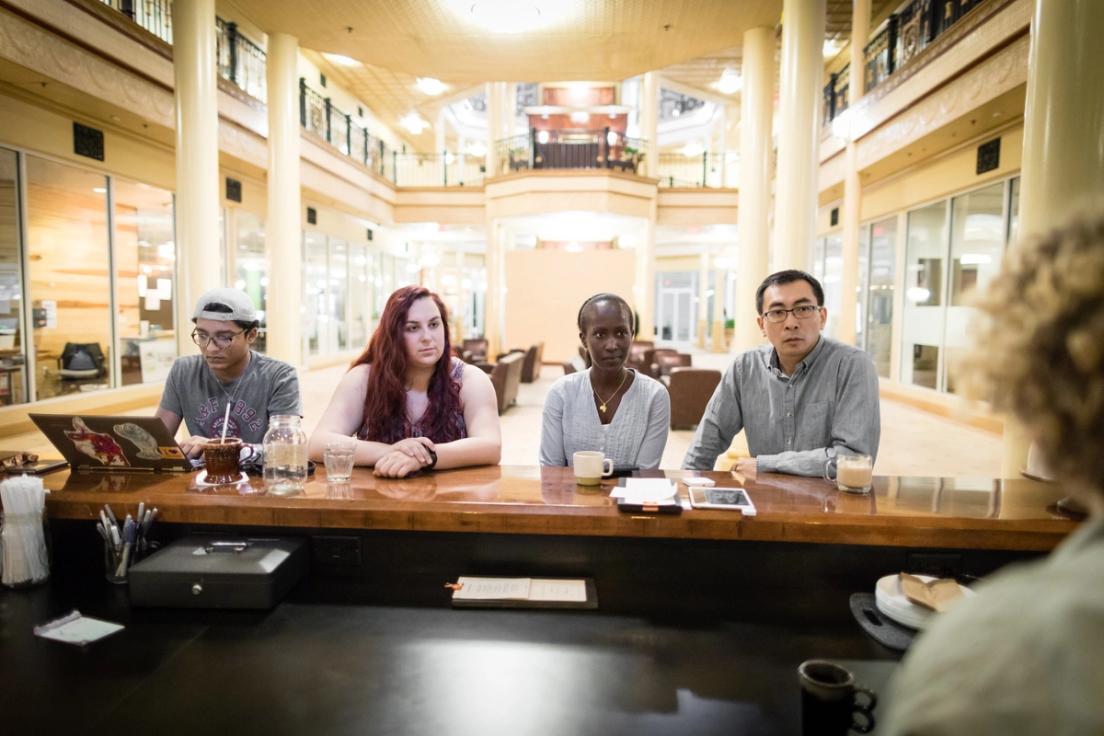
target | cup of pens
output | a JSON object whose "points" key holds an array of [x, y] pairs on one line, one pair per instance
{"points": [[125, 542]]}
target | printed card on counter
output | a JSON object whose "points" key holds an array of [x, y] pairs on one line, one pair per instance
{"points": [[494, 592]]}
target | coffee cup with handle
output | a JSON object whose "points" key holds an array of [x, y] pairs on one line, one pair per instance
{"points": [[590, 467], [830, 704], [852, 472]]}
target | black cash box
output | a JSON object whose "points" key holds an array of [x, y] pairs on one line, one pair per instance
{"points": [[219, 572]]}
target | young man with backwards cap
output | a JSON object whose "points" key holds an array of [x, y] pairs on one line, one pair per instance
{"points": [[227, 370]]}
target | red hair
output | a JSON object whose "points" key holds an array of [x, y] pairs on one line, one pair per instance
{"points": [[385, 418]]}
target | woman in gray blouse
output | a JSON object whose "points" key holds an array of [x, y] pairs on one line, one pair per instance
{"points": [[608, 407]]}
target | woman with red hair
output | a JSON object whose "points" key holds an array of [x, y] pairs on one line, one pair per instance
{"points": [[410, 405]]}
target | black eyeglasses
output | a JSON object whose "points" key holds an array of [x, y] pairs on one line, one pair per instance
{"points": [[804, 311], [221, 340]]}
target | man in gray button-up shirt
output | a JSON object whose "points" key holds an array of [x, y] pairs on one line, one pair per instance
{"points": [[800, 399]]}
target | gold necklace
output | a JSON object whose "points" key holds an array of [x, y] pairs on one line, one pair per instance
{"points": [[603, 402]]}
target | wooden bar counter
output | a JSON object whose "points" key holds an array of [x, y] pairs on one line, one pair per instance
{"points": [[978, 514]]}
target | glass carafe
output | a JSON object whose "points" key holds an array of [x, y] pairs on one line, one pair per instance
{"points": [[285, 455]]}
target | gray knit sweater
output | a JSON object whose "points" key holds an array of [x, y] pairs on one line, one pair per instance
{"points": [[636, 436]]}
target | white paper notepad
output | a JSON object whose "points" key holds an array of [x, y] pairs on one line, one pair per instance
{"points": [[544, 590], [77, 629], [645, 490]]}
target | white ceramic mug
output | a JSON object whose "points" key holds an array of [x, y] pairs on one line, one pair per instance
{"points": [[853, 472], [590, 467]]}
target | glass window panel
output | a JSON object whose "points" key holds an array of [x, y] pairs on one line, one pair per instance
{"points": [[145, 267], [977, 241], [67, 245], [13, 386], [337, 293], [316, 319], [818, 259], [833, 273], [861, 288], [359, 295], [1014, 211], [922, 331], [880, 294], [251, 269]]}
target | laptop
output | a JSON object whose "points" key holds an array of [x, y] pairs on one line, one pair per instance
{"points": [[127, 444]]}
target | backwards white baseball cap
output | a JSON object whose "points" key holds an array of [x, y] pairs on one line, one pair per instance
{"points": [[225, 305]]}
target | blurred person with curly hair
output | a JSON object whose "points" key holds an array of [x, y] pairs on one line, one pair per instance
{"points": [[1026, 655]]}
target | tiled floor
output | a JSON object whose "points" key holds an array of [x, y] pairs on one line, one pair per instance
{"points": [[914, 442]]}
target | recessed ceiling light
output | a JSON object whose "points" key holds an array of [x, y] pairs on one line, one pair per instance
{"points": [[341, 59], [729, 83], [430, 86], [693, 149], [515, 16], [414, 123], [831, 47]]}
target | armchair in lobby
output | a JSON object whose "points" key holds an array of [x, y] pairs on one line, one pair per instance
{"points": [[530, 369], [476, 349], [506, 378], [691, 389]]}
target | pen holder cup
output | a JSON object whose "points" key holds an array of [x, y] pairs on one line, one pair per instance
{"points": [[115, 568]]}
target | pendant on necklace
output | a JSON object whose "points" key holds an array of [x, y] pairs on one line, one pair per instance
{"points": [[602, 408]]}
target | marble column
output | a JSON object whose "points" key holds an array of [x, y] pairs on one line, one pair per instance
{"points": [[852, 184], [494, 125], [702, 339], [495, 300], [753, 231], [649, 122], [197, 150], [1063, 158], [283, 228], [800, 91], [719, 344], [644, 288]]}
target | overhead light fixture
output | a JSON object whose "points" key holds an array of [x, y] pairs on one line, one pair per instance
{"points": [[515, 16], [99, 190], [580, 116], [831, 47], [341, 59], [611, 137], [693, 149], [414, 123], [430, 86], [542, 136], [729, 83]]}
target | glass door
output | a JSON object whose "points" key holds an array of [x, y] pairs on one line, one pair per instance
{"points": [[13, 359]]}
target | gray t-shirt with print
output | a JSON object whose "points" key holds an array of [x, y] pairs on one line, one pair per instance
{"points": [[267, 388]]}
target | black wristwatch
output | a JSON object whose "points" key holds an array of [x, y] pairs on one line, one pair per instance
{"points": [[433, 462]]}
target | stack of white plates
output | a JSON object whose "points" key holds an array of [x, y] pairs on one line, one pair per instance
{"points": [[892, 602]]}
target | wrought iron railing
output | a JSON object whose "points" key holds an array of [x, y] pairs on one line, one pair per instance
{"points": [[153, 15], [321, 117], [446, 169], [240, 60], [569, 149], [835, 93], [701, 170], [895, 42]]}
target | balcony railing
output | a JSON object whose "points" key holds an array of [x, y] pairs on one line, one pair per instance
{"points": [[897, 41], [240, 60], [320, 116], [703, 170], [835, 93], [570, 149], [153, 15], [445, 169]]}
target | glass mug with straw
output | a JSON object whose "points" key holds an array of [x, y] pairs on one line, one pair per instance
{"points": [[853, 472]]}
